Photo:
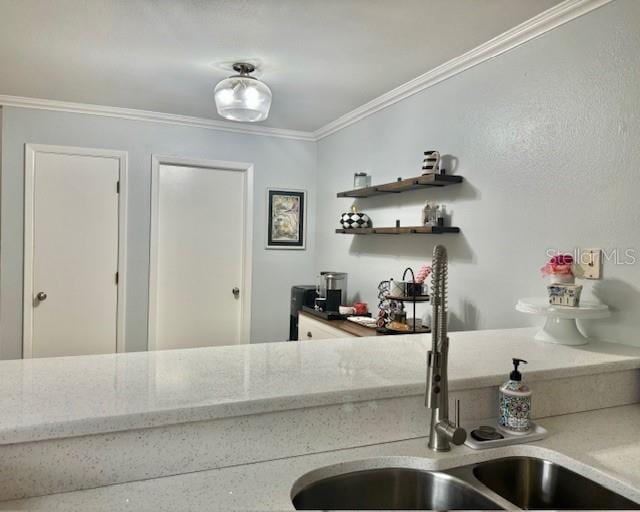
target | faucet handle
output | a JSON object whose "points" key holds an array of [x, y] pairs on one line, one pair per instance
{"points": [[460, 434], [453, 433], [451, 430]]}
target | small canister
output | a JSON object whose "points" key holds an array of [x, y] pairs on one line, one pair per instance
{"points": [[361, 180]]}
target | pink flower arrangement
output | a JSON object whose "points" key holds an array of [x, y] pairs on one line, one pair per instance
{"points": [[423, 274], [562, 264]]}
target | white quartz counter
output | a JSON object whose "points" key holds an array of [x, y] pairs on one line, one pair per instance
{"points": [[61, 397], [603, 445]]}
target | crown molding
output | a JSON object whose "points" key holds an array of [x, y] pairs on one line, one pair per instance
{"points": [[530, 29], [155, 117]]}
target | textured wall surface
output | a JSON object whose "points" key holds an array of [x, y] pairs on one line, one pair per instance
{"points": [[546, 137], [278, 163]]}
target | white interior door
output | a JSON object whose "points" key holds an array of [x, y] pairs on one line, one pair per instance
{"points": [[198, 255], [71, 252]]}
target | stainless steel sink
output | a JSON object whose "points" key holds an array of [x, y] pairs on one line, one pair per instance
{"points": [[507, 483], [391, 489], [531, 483]]}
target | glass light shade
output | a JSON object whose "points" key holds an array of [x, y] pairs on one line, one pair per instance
{"points": [[243, 98]]}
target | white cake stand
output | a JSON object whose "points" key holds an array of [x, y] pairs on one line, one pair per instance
{"points": [[560, 326]]}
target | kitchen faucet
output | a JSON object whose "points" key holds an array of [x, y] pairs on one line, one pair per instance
{"points": [[443, 431]]}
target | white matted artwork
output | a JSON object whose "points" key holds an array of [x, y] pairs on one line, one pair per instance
{"points": [[286, 214]]}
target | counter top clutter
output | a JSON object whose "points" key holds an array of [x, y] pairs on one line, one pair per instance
{"points": [[65, 396], [314, 327]]}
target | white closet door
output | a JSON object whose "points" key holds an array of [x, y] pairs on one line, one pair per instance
{"points": [[199, 231], [72, 255]]}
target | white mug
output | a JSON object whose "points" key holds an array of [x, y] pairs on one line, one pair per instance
{"points": [[397, 288], [345, 310]]}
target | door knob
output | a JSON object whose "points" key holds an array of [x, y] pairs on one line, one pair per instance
{"points": [[41, 296], [236, 292]]}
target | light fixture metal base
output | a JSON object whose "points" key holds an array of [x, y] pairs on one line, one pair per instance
{"points": [[244, 68]]}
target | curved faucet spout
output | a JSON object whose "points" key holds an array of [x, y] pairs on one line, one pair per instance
{"points": [[443, 432]]}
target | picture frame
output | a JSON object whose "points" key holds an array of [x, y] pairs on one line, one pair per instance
{"points": [[286, 218]]}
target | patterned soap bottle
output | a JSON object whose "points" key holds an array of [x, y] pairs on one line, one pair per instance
{"points": [[515, 402]]}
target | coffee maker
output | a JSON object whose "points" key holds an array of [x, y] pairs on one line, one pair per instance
{"points": [[331, 291]]}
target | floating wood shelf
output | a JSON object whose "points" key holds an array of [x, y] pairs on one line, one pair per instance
{"points": [[417, 298], [396, 187], [421, 230]]}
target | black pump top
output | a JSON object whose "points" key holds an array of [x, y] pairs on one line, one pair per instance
{"points": [[515, 374]]}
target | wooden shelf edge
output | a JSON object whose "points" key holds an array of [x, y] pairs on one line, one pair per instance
{"points": [[408, 230], [417, 298], [355, 231], [396, 187]]}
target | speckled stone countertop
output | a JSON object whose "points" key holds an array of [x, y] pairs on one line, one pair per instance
{"points": [[603, 445], [68, 396]]}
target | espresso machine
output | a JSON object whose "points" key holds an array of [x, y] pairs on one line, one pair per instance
{"points": [[331, 291]]}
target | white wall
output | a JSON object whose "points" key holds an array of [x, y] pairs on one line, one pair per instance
{"points": [[278, 163], [547, 138]]}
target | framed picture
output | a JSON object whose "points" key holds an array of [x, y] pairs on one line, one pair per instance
{"points": [[286, 215]]}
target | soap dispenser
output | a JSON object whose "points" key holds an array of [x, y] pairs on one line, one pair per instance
{"points": [[515, 402]]}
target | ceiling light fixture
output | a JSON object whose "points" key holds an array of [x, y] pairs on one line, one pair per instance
{"points": [[242, 97]]}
